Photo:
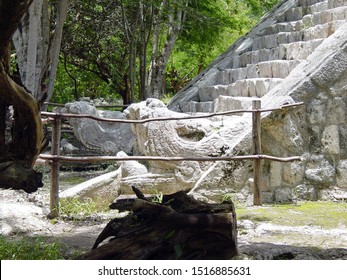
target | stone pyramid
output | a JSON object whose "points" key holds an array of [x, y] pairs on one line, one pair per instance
{"points": [[264, 58], [297, 53]]}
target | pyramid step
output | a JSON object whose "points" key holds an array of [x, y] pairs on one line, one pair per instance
{"points": [[320, 31], [266, 69], [220, 104], [197, 107], [243, 88], [321, 11], [336, 3], [332, 13], [292, 51], [229, 103], [309, 2], [338, 13], [319, 7]]}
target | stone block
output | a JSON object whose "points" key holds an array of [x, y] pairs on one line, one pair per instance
{"points": [[204, 107], [245, 59], [252, 90], [319, 171], [209, 93], [330, 140], [236, 61], [263, 55], [274, 54], [270, 41], [280, 69], [316, 112], [339, 14], [265, 70], [326, 16], [305, 192], [319, 7], [336, 111], [243, 88], [333, 70], [282, 195], [252, 72], [255, 45], [222, 77], [282, 38], [228, 103], [343, 140], [342, 174], [185, 107], [332, 194], [293, 173], [275, 174], [239, 74], [254, 57], [267, 197], [262, 87]]}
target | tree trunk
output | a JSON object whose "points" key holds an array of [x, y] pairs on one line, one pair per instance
{"points": [[20, 154], [31, 50], [63, 6], [143, 52], [179, 227], [37, 56], [159, 62]]}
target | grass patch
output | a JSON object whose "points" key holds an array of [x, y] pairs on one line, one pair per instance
{"points": [[72, 180], [75, 208], [323, 214], [29, 249]]}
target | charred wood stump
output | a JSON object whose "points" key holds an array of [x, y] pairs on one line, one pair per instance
{"points": [[179, 227], [18, 175]]}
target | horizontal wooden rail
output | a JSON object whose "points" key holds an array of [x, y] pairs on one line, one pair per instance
{"points": [[93, 159], [82, 116], [55, 157]]}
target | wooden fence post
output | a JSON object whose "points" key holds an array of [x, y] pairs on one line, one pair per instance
{"points": [[54, 193], [256, 133]]}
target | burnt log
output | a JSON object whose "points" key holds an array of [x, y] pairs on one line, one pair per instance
{"points": [[18, 175], [179, 227]]}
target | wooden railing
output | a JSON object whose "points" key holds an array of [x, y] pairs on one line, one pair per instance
{"points": [[55, 158]]}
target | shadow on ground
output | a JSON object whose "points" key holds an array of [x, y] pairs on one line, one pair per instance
{"points": [[271, 251]]}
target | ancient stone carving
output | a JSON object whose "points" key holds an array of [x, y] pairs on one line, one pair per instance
{"points": [[106, 138]]}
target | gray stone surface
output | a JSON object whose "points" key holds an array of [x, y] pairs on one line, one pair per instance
{"points": [[105, 138]]}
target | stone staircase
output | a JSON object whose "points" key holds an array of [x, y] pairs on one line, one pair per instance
{"points": [[262, 59]]}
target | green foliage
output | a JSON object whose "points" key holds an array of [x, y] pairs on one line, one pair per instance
{"points": [[29, 249], [72, 84], [157, 198], [75, 208], [98, 42]]}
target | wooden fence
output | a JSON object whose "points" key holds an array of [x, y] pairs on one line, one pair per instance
{"points": [[55, 158]]}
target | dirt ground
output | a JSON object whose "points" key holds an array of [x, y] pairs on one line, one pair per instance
{"points": [[24, 214]]}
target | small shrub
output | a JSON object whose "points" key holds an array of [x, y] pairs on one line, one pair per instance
{"points": [[78, 208]]}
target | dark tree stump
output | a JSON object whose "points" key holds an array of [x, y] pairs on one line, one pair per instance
{"points": [[18, 175], [178, 228]]}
